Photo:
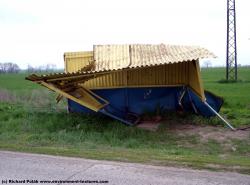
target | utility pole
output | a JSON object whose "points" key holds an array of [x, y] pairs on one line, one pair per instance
{"points": [[231, 60]]}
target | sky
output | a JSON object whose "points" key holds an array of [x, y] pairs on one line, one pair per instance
{"points": [[38, 32]]}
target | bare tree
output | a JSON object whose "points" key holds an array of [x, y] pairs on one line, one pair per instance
{"points": [[207, 63], [1, 68], [41, 68], [50, 67], [5, 67], [30, 69], [9, 68], [16, 68]]}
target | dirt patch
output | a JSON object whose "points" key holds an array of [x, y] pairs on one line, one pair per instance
{"points": [[206, 133]]}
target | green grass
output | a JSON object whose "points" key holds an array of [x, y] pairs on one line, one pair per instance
{"points": [[30, 121], [16, 82], [101, 138], [236, 95]]}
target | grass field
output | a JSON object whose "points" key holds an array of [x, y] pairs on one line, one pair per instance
{"points": [[31, 121], [236, 95]]}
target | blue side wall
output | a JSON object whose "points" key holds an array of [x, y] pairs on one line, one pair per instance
{"points": [[124, 101]]}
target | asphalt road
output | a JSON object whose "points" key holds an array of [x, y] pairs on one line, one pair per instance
{"points": [[27, 167]]}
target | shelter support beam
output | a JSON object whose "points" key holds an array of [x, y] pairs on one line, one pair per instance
{"points": [[81, 96], [225, 121]]}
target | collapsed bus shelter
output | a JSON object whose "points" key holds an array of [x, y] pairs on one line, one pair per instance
{"points": [[127, 81]]}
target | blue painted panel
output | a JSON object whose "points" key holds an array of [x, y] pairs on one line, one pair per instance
{"points": [[75, 107], [124, 101], [143, 100], [213, 100]]}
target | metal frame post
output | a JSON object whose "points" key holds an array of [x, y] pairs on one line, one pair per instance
{"points": [[225, 121]]}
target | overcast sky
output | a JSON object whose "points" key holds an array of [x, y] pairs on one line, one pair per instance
{"points": [[39, 32]]}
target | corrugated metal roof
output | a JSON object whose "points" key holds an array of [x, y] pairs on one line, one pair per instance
{"points": [[113, 57], [116, 57], [78, 54]]}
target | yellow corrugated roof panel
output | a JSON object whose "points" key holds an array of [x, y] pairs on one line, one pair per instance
{"points": [[78, 54], [114, 57], [75, 61], [111, 57]]}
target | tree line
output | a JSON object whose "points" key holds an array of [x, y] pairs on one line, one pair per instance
{"points": [[43, 68], [9, 67]]}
